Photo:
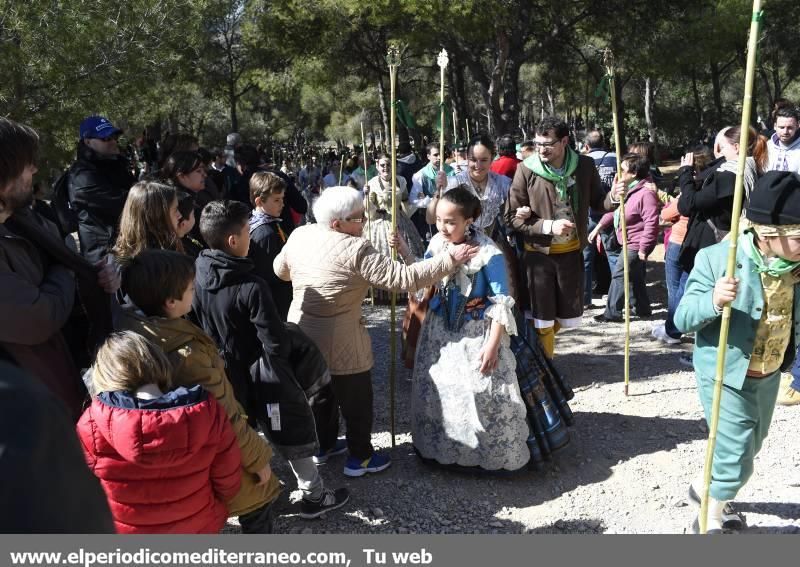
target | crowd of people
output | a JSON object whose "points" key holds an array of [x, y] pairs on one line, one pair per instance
{"points": [[209, 312]]}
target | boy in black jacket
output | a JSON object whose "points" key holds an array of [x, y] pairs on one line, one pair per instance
{"points": [[268, 235], [234, 306]]}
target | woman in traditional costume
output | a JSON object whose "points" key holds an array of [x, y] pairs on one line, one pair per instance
{"points": [[378, 204], [469, 408]]}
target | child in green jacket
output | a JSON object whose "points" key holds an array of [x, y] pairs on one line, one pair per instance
{"points": [[764, 332]]}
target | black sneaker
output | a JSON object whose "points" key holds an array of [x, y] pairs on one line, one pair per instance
{"points": [[603, 319], [330, 500]]}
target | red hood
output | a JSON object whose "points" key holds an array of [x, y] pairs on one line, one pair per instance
{"points": [[169, 430]]}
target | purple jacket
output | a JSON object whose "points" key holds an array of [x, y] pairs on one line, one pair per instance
{"points": [[641, 217]]}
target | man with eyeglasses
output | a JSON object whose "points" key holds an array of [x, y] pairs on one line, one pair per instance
{"points": [[558, 186], [98, 184]]}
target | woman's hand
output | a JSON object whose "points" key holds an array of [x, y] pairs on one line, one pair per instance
{"points": [[463, 253], [523, 213], [398, 242], [618, 190], [488, 356], [688, 160], [594, 233]]}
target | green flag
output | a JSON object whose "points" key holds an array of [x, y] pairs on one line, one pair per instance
{"points": [[448, 119], [403, 115]]}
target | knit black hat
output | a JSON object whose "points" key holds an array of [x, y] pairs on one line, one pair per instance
{"points": [[775, 199]]}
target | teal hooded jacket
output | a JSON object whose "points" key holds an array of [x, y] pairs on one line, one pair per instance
{"points": [[696, 313]]}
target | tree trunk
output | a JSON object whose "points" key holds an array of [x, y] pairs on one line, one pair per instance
{"points": [[716, 85], [649, 103], [551, 99], [698, 106], [586, 104], [510, 116], [777, 86], [767, 87], [232, 100], [458, 91], [384, 112]]}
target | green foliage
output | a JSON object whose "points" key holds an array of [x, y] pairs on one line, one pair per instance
{"points": [[297, 70]]}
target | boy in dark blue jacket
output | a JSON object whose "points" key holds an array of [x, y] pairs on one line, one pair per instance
{"points": [[268, 235]]}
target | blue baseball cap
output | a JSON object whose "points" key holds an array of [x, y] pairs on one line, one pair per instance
{"points": [[97, 127]]}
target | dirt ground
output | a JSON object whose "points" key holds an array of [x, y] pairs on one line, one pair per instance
{"points": [[626, 469]]}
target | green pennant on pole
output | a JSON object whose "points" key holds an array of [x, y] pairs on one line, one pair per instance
{"points": [[448, 119], [603, 89], [403, 115]]}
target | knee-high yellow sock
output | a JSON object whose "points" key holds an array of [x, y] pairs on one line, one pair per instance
{"points": [[547, 337]]}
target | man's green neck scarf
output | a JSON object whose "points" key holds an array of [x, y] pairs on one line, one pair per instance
{"points": [[546, 171], [431, 172], [778, 267]]}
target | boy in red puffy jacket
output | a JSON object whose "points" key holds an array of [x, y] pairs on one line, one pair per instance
{"points": [[167, 458]]}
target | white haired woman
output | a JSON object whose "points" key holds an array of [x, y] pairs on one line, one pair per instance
{"points": [[331, 268]]}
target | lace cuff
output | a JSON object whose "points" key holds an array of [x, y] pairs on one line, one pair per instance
{"points": [[501, 312]]}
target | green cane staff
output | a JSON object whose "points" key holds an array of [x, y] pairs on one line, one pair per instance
{"points": [[730, 270], [366, 209], [609, 62], [393, 59]]}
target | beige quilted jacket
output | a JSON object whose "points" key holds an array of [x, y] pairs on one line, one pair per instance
{"points": [[331, 274]]}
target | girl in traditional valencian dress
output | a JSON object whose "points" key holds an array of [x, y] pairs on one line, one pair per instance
{"points": [[480, 399], [466, 406]]}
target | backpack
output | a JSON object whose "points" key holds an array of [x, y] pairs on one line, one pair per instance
{"points": [[605, 172], [66, 215]]}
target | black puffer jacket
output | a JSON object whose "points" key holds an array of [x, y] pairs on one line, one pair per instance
{"points": [[266, 243], [278, 374], [708, 198], [98, 186], [45, 485]]}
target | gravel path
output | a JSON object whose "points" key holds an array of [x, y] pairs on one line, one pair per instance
{"points": [[626, 469]]}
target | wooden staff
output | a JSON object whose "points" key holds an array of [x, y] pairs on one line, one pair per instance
{"points": [[730, 271], [366, 204], [442, 61], [393, 59], [455, 128], [609, 62]]}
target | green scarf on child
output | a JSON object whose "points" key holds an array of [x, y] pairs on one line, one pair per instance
{"points": [[546, 171], [778, 267]]}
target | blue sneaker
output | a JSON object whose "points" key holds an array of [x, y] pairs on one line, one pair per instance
{"points": [[376, 463], [339, 448]]}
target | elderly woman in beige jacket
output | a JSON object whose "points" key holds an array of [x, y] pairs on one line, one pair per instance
{"points": [[331, 268]]}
